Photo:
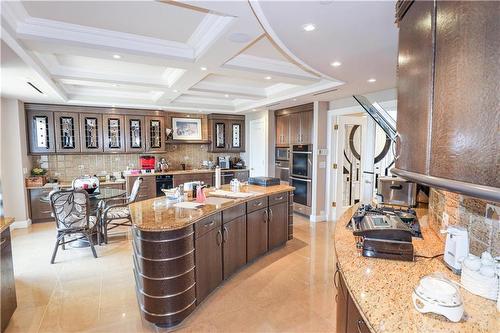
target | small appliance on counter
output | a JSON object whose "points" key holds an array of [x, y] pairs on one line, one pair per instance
{"points": [[382, 234], [162, 165], [396, 191], [223, 162], [237, 163], [437, 294], [456, 248], [147, 163], [263, 181], [481, 276]]}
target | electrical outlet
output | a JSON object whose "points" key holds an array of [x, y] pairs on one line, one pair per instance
{"points": [[81, 167], [445, 221], [25, 171]]}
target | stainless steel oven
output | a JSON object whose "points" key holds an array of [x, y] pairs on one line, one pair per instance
{"points": [[301, 195], [282, 171], [302, 161], [282, 154]]}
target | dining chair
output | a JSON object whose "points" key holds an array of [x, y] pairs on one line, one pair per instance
{"points": [[70, 209], [84, 182], [118, 214]]}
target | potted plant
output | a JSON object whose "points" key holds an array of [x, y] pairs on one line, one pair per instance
{"points": [[37, 178]]}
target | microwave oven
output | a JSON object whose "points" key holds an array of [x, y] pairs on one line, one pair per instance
{"points": [[282, 153]]}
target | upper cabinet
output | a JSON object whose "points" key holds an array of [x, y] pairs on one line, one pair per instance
{"points": [[91, 137], [41, 131], [67, 132], [448, 106], [226, 133], [294, 125], [134, 134], [155, 133], [114, 138]]}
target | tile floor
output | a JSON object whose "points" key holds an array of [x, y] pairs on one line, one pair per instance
{"points": [[289, 290]]}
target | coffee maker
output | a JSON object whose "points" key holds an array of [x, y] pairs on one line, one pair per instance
{"points": [[223, 162]]}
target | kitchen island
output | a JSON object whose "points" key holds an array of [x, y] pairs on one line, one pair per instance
{"points": [[181, 255], [374, 295]]}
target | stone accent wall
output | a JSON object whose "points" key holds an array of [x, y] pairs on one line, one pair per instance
{"points": [[67, 167], [481, 218]]}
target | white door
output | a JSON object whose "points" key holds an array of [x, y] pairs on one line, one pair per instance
{"points": [[348, 176], [258, 148]]}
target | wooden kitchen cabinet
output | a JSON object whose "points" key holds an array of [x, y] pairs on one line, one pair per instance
{"points": [[91, 128], [206, 177], [67, 132], [208, 259], [41, 131], [278, 224], [114, 130], [349, 319], [306, 127], [155, 133], [147, 190], [8, 285], [465, 119], [39, 211], [226, 133], [448, 96], [234, 245], [134, 134], [282, 130], [257, 233], [294, 128]]}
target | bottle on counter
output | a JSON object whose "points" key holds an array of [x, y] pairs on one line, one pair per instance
{"points": [[218, 176]]}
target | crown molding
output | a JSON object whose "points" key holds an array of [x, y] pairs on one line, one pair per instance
{"points": [[211, 28]]}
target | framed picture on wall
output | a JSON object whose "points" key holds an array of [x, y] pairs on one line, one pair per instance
{"points": [[186, 128]]}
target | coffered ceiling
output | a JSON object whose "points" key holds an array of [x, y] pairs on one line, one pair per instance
{"points": [[206, 56]]}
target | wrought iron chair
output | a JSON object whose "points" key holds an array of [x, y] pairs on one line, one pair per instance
{"points": [[70, 209], [118, 214], [86, 182]]}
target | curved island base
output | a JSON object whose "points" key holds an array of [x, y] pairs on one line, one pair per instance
{"points": [[181, 255]]}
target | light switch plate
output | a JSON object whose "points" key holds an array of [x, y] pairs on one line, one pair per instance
{"points": [[323, 152], [322, 165]]}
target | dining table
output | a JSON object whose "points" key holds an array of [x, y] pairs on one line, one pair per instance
{"points": [[97, 200]]}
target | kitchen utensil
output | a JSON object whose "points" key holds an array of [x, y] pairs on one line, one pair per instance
{"points": [[479, 276], [437, 294], [456, 247]]}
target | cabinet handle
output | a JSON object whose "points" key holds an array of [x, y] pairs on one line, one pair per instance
{"points": [[219, 242], [206, 225], [279, 198], [270, 214], [265, 216], [224, 239], [257, 204], [358, 323], [335, 279], [3, 241]]}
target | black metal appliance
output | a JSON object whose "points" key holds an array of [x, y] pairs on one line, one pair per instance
{"points": [[164, 182], [302, 161]]}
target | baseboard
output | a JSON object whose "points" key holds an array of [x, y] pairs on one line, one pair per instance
{"points": [[317, 218], [20, 224]]}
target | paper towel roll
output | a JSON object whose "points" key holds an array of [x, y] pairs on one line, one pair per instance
{"points": [[217, 177]]}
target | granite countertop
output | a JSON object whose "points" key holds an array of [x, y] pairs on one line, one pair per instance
{"points": [[5, 222], [183, 172], [382, 288], [155, 215], [68, 184]]}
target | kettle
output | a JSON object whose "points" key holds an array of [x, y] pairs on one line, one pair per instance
{"points": [[456, 248]]}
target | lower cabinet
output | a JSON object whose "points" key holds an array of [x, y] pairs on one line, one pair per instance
{"points": [[278, 224], [40, 211], [257, 233], [349, 320], [147, 190], [208, 259], [8, 286], [234, 245]]}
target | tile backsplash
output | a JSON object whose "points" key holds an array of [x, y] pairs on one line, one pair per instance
{"points": [[481, 218], [67, 167]]}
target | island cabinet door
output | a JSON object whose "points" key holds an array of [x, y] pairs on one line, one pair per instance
{"points": [[278, 225], [341, 300], [257, 233], [234, 249], [208, 258]]}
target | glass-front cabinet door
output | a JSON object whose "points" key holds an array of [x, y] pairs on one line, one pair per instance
{"points": [[41, 131], [220, 135], [134, 134], [67, 132], [91, 129], [155, 133], [236, 135], [114, 138]]}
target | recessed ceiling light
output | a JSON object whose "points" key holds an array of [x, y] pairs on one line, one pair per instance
{"points": [[254, 109], [226, 95], [268, 78], [309, 27], [175, 90], [372, 80], [336, 64], [113, 105], [117, 56], [203, 68], [294, 99]]}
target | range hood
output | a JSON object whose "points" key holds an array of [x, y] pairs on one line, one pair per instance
{"points": [[381, 117]]}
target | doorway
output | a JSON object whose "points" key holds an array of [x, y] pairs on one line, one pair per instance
{"points": [[258, 148]]}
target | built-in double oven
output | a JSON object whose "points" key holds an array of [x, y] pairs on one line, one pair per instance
{"points": [[301, 177]]}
